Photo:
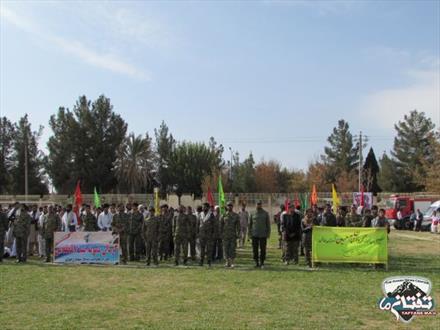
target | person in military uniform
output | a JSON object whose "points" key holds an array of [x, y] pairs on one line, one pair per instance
{"points": [[120, 224], [206, 234], [307, 226], [150, 233], [230, 232], [89, 220], [353, 219], [259, 231], [165, 232], [181, 235], [51, 224], [192, 232], [21, 231], [291, 230], [135, 222], [4, 225]]}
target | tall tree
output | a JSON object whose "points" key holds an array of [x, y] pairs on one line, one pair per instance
{"points": [[84, 145], [342, 154], [164, 147], [26, 142], [190, 163], [389, 177], [134, 163], [7, 133], [412, 146], [431, 180], [370, 172], [243, 175]]}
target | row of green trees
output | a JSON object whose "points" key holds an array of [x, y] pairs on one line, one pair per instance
{"points": [[91, 143]]}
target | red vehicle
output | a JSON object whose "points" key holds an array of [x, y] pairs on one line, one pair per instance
{"points": [[407, 205]]}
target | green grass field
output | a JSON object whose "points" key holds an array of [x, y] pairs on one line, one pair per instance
{"points": [[43, 296]]}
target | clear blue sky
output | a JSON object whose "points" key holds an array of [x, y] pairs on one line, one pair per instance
{"points": [[271, 77]]}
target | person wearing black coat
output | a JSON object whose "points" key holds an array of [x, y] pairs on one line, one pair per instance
{"points": [[291, 230]]}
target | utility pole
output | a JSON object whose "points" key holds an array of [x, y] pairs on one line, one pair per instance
{"points": [[26, 187], [360, 161]]}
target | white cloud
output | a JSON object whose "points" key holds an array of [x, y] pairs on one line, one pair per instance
{"points": [[386, 107], [103, 60]]}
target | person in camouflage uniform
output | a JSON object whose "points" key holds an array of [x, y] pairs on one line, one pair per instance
{"points": [[120, 225], [4, 225], [192, 232], [165, 232], [353, 219], [21, 231], [135, 222], [230, 232], [206, 234], [181, 235], [51, 224], [150, 233], [89, 220]]}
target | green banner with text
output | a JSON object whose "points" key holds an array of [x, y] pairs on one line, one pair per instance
{"points": [[350, 244]]}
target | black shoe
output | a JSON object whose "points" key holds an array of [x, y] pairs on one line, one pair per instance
{"points": [[185, 262], [176, 263], [257, 265], [18, 261], [148, 264]]}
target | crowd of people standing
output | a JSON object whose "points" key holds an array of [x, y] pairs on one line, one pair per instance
{"points": [[201, 235]]}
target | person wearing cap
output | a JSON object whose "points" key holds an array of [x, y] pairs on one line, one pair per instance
{"points": [[291, 230], [230, 230], [259, 231], [51, 224], [105, 219], [21, 231], [89, 220], [165, 232], [120, 225], [135, 222], [181, 235], [150, 232]]}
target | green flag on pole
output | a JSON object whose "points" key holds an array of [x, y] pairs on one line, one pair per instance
{"points": [[96, 198], [221, 196]]}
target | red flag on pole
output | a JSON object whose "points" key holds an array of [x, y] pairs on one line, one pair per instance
{"points": [[297, 203], [286, 205], [78, 201], [362, 196], [314, 197], [210, 198]]}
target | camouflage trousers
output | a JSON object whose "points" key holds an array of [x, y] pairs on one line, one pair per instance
{"points": [[192, 247], [123, 244], [229, 248], [206, 249], [2, 245], [151, 248], [134, 246], [49, 247], [181, 244], [164, 246], [21, 247], [307, 242]]}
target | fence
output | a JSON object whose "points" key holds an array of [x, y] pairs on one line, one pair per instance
{"points": [[271, 201]]}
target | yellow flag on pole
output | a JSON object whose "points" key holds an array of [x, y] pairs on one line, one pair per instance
{"points": [[335, 198]]}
